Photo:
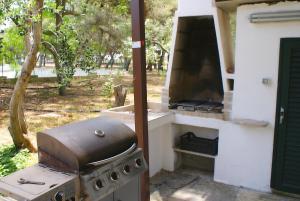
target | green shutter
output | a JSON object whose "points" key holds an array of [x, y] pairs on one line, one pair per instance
{"points": [[286, 163]]}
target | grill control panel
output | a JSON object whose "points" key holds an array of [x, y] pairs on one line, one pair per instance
{"points": [[108, 178]]}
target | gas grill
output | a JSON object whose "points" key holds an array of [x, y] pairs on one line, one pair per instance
{"points": [[92, 160]]}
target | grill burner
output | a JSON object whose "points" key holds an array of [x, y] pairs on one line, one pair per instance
{"points": [[203, 106], [92, 160]]}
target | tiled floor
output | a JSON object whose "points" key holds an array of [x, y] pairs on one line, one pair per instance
{"points": [[193, 185]]}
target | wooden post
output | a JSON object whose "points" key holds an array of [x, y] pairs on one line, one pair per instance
{"points": [[140, 89]]}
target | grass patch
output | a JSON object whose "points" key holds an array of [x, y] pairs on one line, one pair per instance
{"points": [[12, 159]]}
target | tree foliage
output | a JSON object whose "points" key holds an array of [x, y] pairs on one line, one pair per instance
{"points": [[109, 31], [13, 47], [78, 34]]}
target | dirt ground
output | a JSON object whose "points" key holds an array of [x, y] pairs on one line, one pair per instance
{"points": [[84, 99]]}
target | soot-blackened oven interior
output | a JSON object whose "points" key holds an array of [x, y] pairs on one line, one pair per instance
{"points": [[196, 78]]}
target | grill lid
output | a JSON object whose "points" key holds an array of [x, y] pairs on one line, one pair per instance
{"points": [[74, 146]]}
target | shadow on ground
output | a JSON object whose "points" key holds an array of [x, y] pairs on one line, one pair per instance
{"points": [[194, 185]]}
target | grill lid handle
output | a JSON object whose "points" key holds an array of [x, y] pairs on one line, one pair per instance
{"points": [[97, 163]]}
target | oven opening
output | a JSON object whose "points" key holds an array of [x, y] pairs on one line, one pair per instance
{"points": [[196, 80]]}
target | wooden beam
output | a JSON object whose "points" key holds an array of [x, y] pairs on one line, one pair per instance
{"points": [[140, 87]]}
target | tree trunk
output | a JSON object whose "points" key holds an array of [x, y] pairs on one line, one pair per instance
{"points": [[149, 66], [58, 16], [107, 64], [126, 63], [61, 86], [22, 119], [112, 60], [164, 52], [44, 61], [161, 61], [27, 39], [18, 128], [112, 63], [58, 68], [100, 60], [40, 59], [120, 93]]}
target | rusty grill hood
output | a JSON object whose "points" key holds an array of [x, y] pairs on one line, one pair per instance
{"points": [[73, 146]]}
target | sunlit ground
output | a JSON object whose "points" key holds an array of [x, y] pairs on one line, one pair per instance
{"points": [[85, 99]]}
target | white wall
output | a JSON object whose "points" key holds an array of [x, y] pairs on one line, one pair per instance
{"points": [[161, 143], [170, 159], [245, 153], [225, 47], [160, 138], [194, 7], [245, 156], [155, 150], [172, 51], [257, 57]]}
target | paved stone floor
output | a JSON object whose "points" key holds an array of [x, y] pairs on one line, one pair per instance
{"points": [[193, 185]]}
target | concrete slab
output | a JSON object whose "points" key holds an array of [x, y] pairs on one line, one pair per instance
{"points": [[194, 185]]}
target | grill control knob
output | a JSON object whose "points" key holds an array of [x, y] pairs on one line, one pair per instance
{"points": [[138, 163], [126, 169], [98, 184], [114, 176], [59, 196]]}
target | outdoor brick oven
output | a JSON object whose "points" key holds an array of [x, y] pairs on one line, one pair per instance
{"points": [[195, 78], [196, 73]]}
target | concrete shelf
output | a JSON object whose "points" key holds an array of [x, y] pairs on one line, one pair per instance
{"points": [[250, 122], [176, 149]]}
